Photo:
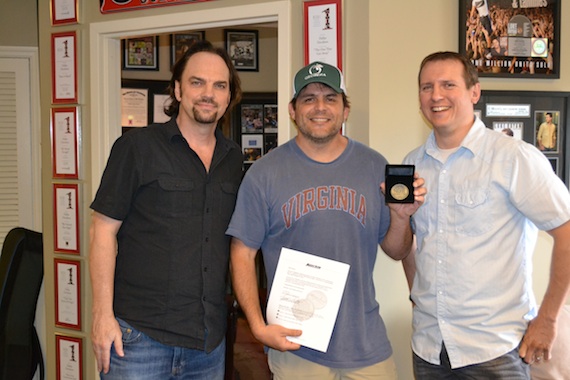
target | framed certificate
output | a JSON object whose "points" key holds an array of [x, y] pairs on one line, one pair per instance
{"points": [[69, 356], [67, 293], [66, 215], [323, 31], [63, 12], [64, 67], [64, 136]]}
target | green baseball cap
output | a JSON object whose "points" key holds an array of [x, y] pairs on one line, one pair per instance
{"points": [[319, 72]]}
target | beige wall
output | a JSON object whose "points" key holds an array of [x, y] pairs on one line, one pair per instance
{"points": [[383, 45], [18, 23]]}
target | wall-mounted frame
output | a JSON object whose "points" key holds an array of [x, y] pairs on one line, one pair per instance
{"points": [[64, 67], [511, 38], [66, 218], [67, 293], [180, 42], [140, 53], [63, 12], [65, 142], [254, 125], [243, 48], [523, 112], [69, 357], [323, 31], [155, 95]]}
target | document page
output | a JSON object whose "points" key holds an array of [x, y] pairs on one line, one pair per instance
{"points": [[306, 295]]}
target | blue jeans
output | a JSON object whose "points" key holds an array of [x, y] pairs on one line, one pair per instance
{"points": [[507, 367], [147, 359]]}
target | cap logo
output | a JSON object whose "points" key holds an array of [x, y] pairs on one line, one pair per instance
{"points": [[315, 70]]}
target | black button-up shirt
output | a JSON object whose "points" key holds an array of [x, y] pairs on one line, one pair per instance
{"points": [[173, 254]]}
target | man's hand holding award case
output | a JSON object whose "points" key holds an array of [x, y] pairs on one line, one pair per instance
{"points": [[399, 183]]}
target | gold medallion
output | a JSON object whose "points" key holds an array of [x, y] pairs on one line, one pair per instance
{"points": [[399, 192]]}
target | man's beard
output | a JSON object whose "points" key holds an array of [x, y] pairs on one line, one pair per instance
{"points": [[202, 118]]}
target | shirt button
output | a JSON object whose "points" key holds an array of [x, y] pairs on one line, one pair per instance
{"points": [[207, 239], [205, 269], [440, 292], [204, 298], [442, 201], [439, 261]]}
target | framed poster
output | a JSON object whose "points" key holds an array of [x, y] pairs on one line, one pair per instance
{"points": [[242, 47], [69, 357], [64, 137], [180, 42], [323, 31], [64, 67], [140, 53], [511, 38], [66, 215], [540, 118], [63, 12], [67, 293]]}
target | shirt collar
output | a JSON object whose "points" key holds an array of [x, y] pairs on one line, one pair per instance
{"points": [[473, 141]]}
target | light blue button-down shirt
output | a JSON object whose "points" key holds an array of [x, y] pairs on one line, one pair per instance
{"points": [[476, 233]]}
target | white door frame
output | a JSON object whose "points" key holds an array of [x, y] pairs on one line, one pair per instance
{"points": [[105, 63]]}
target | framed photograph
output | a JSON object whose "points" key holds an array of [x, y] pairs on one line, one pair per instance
{"points": [[67, 293], [140, 53], [511, 38], [180, 42], [251, 118], [66, 215], [242, 47], [546, 130], [69, 357], [252, 147], [510, 128], [63, 12], [270, 122], [64, 67], [323, 31], [64, 136]]}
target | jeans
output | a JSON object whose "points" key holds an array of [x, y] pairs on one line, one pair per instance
{"points": [[147, 359], [507, 367]]}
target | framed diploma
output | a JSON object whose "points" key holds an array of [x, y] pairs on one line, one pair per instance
{"points": [[323, 31], [63, 12], [64, 136], [511, 38], [69, 356], [64, 67], [67, 293], [66, 215]]}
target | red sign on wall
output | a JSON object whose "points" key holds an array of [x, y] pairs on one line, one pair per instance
{"points": [[108, 6]]}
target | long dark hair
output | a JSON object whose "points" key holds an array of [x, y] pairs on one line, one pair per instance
{"points": [[178, 69]]}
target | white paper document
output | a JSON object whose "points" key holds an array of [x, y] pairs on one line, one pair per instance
{"points": [[306, 295]]}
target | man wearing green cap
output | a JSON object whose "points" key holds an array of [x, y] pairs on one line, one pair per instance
{"points": [[320, 194]]}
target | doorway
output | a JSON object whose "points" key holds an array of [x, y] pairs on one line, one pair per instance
{"points": [[105, 50]]}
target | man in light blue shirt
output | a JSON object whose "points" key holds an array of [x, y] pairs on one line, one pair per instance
{"points": [[475, 314]]}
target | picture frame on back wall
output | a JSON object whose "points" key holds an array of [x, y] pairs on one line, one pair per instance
{"points": [[242, 47], [180, 42], [511, 38], [140, 53]]}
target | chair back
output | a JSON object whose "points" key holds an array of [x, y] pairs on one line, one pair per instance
{"points": [[21, 275]]}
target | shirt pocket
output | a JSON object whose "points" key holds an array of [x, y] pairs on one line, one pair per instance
{"points": [[179, 197], [472, 213], [229, 196]]}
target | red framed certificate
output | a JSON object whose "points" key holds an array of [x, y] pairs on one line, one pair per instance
{"points": [[64, 138], [66, 218], [67, 293], [63, 12], [69, 356], [323, 31], [108, 6], [64, 67]]}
